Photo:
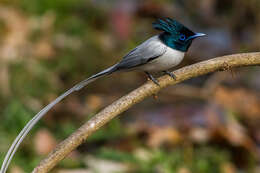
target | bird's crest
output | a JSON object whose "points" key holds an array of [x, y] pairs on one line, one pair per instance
{"points": [[169, 25]]}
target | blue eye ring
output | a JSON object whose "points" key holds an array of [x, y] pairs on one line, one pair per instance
{"points": [[182, 37]]}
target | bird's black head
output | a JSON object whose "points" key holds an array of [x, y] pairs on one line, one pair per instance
{"points": [[175, 34]]}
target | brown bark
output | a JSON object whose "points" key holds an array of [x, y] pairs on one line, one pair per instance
{"points": [[136, 96]]}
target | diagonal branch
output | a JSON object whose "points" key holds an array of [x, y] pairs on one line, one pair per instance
{"points": [[136, 96]]}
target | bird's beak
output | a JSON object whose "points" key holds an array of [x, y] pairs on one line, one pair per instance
{"points": [[196, 35]]}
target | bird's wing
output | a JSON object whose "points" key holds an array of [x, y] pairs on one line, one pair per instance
{"points": [[147, 51]]}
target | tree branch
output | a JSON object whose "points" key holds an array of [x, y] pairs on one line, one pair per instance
{"points": [[136, 96]]}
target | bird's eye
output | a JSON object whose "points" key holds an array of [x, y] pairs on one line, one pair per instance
{"points": [[182, 37]]}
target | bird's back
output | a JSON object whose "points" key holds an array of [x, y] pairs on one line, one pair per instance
{"points": [[142, 54]]}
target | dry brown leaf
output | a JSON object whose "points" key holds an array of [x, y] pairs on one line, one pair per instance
{"points": [[228, 168], [240, 100], [107, 166], [237, 135], [43, 49], [16, 169], [161, 135], [44, 142], [94, 102], [200, 134], [183, 170], [14, 43]]}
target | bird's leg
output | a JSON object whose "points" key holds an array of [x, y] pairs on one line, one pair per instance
{"points": [[170, 74], [152, 78]]}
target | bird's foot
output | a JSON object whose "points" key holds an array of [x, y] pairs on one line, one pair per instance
{"points": [[170, 74], [152, 78]]}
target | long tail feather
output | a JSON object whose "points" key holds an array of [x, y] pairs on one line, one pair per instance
{"points": [[40, 114]]}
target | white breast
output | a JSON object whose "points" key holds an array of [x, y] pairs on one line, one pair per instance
{"points": [[169, 59]]}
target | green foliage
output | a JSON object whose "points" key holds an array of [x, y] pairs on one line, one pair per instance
{"points": [[29, 79], [42, 6], [71, 163], [203, 160], [72, 25], [63, 130], [15, 116], [116, 155], [111, 131]]}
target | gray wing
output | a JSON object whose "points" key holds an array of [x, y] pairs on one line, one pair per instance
{"points": [[147, 51]]}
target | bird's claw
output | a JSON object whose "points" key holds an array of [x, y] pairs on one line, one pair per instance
{"points": [[152, 79], [172, 75]]}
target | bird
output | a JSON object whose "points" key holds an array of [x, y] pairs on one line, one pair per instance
{"points": [[157, 54]]}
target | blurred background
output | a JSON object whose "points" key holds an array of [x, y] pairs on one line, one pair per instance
{"points": [[209, 124]]}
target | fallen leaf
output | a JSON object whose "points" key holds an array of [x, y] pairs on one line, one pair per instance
{"points": [[107, 166], [16, 169], [44, 142]]}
